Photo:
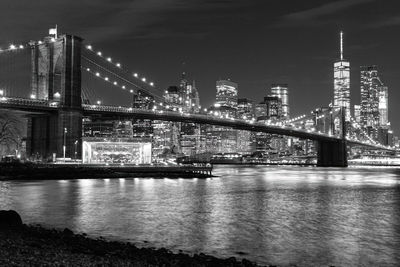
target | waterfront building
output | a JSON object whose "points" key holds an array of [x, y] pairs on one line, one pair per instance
{"points": [[341, 81], [282, 92], [227, 93], [100, 152]]}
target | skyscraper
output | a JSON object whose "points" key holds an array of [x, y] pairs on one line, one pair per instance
{"points": [[357, 113], [341, 80], [383, 105], [281, 91], [227, 93], [370, 85]]}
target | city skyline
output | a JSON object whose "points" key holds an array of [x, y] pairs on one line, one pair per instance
{"points": [[298, 54]]}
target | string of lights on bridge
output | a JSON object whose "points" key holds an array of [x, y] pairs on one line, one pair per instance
{"points": [[118, 65], [107, 79]]}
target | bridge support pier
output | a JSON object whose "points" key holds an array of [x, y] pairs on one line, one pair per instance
{"points": [[332, 153], [47, 135]]}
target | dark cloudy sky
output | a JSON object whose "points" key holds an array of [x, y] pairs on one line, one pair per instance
{"points": [[254, 43]]}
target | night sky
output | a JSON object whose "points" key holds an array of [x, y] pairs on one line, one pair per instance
{"points": [[254, 43]]}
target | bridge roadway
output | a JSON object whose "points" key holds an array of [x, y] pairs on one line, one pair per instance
{"points": [[117, 113]]}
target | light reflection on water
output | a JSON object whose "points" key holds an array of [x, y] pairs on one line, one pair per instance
{"points": [[273, 215]]}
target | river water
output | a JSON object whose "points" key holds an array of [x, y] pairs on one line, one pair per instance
{"points": [[272, 215]]}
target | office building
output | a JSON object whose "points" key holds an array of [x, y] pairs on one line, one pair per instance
{"points": [[383, 106], [357, 113], [282, 92], [245, 139], [227, 93], [370, 85]]}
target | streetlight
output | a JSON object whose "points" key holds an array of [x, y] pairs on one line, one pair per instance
{"points": [[64, 147], [98, 102]]}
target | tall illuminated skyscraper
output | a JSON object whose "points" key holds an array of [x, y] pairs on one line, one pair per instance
{"points": [[281, 91], [374, 98], [383, 106], [341, 80]]}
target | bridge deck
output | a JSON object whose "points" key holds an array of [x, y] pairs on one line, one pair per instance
{"points": [[114, 112]]}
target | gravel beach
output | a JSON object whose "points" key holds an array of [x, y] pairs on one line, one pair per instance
{"points": [[33, 245]]}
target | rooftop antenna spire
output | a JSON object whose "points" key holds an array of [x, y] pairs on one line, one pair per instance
{"points": [[341, 45]]}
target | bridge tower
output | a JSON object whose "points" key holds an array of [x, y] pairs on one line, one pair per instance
{"points": [[334, 153], [56, 77]]}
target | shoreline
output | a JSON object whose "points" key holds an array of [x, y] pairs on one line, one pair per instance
{"points": [[36, 245], [24, 171]]}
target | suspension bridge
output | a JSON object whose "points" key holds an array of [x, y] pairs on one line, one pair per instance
{"points": [[65, 80]]}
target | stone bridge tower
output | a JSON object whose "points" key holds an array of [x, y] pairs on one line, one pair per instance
{"points": [[56, 77]]}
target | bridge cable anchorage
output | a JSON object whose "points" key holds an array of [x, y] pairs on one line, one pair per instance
{"points": [[119, 77], [119, 67]]}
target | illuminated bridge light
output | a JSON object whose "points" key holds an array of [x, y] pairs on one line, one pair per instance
{"points": [[118, 65], [21, 47], [135, 75], [12, 47], [87, 69], [123, 86], [89, 47], [99, 53], [115, 83], [106, 78], [143, 79], [109, 59]]}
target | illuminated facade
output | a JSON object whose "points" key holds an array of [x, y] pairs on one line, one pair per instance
{"points": [[269, 109], [341, 81], [245, 139], [370, 85], [282, 91], [227, 93], [116, 152], [383, 105], [357, 113]]}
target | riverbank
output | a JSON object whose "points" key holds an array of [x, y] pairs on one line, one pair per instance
{"points": [[33, 245], [29, 171]]}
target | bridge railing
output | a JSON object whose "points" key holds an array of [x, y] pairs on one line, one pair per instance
{"points": [[28, 102]]}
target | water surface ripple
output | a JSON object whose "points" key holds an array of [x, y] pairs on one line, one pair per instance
{"points": [[272, 215]]}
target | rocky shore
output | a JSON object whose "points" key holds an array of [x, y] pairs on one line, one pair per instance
{"points": [[33, 245]]}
